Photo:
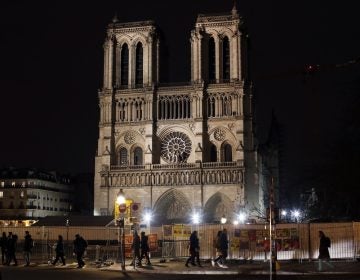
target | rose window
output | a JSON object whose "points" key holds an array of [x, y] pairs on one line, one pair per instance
{"points": [[175, 147], [219, 134], [129, 137]]}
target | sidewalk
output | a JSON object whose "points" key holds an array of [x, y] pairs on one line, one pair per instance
{"points": [[236, 267]]}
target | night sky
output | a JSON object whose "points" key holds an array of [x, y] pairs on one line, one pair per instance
{"points": [[51, 69]]}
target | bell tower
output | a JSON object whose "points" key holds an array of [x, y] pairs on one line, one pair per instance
{"points": [[217, 51]]}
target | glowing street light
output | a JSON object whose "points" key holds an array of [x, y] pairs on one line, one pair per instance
{"points": [[283, 213], [235, 222], [120, 198], [223, 220]]}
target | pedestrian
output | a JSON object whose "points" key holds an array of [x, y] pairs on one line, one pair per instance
{"points": [[217, 247], [194, 249], [144, 246], [224, 246], [135, 246], [28, 245], [80, 245], [11, 248], [3, 243], [59, 250], [324, 256]]}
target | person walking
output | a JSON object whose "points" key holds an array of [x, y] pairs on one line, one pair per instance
{"points": [[194, 250], [3, 245], [59, 250], [80, 245], [135, 246], [28, 245], [224, 246], [217, 247], [324, 255], [11, 249], [144, 246]]}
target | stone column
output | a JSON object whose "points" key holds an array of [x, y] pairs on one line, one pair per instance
{"points": [[106, 63], [217, 58]]}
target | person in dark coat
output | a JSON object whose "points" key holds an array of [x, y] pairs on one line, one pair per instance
{"points": [[194, 250], [11, 248], [135, 246], [59, 250], [224, 246], [28, 245], [324, 255], [144, 246], [79, 249], [3, 245]]}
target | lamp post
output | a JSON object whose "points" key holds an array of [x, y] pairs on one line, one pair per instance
{"points": [[121, 201], [147, 218]]}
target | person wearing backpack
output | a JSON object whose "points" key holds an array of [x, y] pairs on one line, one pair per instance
{"points": [[324, 256], [28, 245]]}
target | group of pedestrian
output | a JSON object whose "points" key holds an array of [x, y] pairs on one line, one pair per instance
{"points": [[8, 244], [141, 249]]}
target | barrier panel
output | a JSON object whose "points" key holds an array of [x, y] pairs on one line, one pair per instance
{"points": [[294, 241]]}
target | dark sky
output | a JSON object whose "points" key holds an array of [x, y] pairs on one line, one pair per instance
{"points": [[51, 69]]}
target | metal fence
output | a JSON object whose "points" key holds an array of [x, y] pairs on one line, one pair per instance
{"points": [[248, 241]]}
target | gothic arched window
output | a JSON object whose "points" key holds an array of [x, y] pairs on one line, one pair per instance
{"points": [[124, 70], [138, 156], [123, 155], [227, 153], [213, 153], [139, 64], [212, 65], [226, 59]]}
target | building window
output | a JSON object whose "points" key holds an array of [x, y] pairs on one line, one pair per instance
{"points": [[226, 59], [13, 184], [22, 194], [213, 153], [123, 156], [227, 153], [124, 70], [1, 194], [138, 156], [212, 64], [139, 65], [2, 184]]}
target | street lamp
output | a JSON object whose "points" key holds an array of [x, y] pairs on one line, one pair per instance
{"points": [[121, 201], [223, 220], [242, 217], [195, 218]]}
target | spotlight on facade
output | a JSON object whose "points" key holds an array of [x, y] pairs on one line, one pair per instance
{"points": [[235, 222], [242, 217], [148, 217], [120, 198], [223, 220], [283, 213], [195, 218]]}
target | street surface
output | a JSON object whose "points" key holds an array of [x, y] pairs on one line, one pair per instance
{"points": [[43, 272]]}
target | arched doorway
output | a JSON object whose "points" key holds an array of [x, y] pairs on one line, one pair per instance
{"points": [[217, 206], [172, 207]]}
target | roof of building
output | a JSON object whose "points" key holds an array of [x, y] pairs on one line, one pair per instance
{"points": [[90, 221]]}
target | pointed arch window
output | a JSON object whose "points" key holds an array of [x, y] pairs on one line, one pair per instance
{"points": [[139, 64], [227, 153], [226, 59], [212, 65], [124, 71], [123, 155], [138, 156], [213, 153]]}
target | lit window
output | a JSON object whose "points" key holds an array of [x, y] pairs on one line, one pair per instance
{"points": [[3, 184], [1, 194], [22, 194], [23, 184], [13, 184]]}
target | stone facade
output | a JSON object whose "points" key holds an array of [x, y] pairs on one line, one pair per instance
{"points": [[177, 149]]}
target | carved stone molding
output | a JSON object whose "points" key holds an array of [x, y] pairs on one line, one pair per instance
{"points": [[220, 134]]}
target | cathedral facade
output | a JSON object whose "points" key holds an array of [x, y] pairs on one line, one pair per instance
{"points": [[177, 149]]}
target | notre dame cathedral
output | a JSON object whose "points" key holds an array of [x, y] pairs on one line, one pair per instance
{"points": [[176, 149]]}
